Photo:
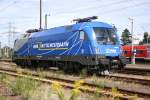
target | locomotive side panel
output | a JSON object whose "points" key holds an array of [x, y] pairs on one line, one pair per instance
{"points": [[69, 46], [63, 47]]}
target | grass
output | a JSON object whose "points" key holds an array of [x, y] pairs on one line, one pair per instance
{"points": [[2, 78], [24, 87], [83, 73], [20, 86], [30, 89], [115, 93], [59, 90], [42, 92], [3, 97], [75, 92], [99, 83]]}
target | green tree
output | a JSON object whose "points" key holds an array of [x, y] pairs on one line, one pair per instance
{"points": [[140, 42], [126, 37], [148, 39], [145, 38]]}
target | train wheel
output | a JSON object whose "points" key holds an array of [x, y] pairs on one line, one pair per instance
{"points": [[34, 64], [121, 65], [68, 68], [29, 64], [76, 68], [65, 67]]}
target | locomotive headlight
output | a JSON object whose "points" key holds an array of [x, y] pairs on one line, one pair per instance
{"points": [[120, 50]]}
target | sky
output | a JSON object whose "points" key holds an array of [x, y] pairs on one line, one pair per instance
{"points": [[22, 15]]}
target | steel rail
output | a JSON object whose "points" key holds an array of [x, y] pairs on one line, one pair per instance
{"points": [[88, 87], [143, 80], [6, 60]]}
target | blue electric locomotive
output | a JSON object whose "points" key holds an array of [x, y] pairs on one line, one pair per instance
{"points": [[86, 44]]}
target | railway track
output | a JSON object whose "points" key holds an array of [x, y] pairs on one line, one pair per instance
{"points": [[135, 71], [87, 87], [128, 70], [143, 80], [6, 60], [121, 77]]}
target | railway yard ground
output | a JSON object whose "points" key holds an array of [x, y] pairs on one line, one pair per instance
{"points": [[50, 84]]}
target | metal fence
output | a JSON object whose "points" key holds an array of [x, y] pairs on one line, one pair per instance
{"points": [[6, 52]]}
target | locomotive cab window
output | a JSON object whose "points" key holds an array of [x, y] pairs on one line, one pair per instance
{"points": [[105, 35], [82, 35]]}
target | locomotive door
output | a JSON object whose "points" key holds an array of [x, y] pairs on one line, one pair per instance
{"points": [[148, 52], [29, 47]]}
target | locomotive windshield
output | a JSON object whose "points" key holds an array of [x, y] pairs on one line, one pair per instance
{"points": [[105, 35]]}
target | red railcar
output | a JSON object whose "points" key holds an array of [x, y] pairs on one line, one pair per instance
{"points": [[142, 51]]}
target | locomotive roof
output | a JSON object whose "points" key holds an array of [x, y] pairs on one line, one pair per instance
{"points": [[69, 28]]}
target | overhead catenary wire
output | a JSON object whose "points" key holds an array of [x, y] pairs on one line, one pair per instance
{"points": [[104, 12], [98, 6], [83, 9], [9, 5], [138, 23]]}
